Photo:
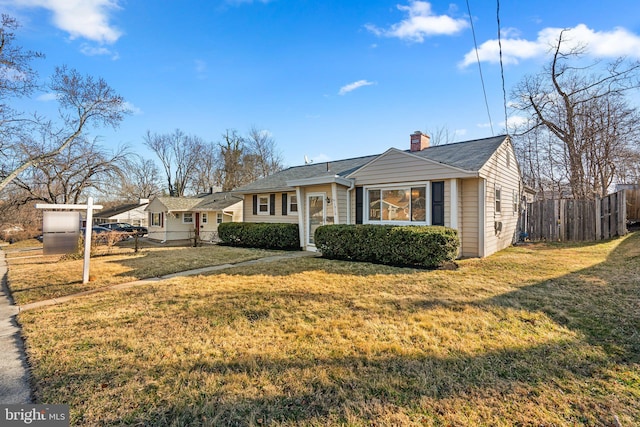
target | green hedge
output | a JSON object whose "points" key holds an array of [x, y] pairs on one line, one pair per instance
{"points": [[419, 246], [260, 235]]}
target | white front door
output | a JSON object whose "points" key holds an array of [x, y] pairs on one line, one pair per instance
{"points": [[316, 214]]}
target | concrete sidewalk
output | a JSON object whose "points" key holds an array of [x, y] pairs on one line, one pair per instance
{"points": [[14, 372]]}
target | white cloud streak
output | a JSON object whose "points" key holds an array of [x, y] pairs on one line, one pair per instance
{"points": [[88, 19], [353, 86], [603, 44], [420, 23]]}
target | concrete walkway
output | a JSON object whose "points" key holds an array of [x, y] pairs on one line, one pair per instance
{"points": [[195, 272], [14, 372]]}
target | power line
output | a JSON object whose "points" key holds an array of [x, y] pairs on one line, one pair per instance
{"points": [[504, 92], [484, 91]]}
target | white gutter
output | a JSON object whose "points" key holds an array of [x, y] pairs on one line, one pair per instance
{"points": [[349, 190]]}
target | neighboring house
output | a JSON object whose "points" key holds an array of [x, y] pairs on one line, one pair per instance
{"points": [[132, 213], [472, 186], [180, 218]]}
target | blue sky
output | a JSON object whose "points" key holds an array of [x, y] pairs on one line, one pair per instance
{"points": [[327, 79]]}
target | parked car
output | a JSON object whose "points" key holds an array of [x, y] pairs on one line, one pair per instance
{"points": [[125, 228], [103, 234]]}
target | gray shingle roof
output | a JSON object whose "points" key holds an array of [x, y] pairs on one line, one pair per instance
{"points": [[278, 181], [467, 155], [208, 202]]}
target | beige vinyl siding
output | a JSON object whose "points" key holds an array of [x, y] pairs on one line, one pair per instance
{"points": [[236, 213], [248, 216], [176, 229], [155, 232], [469, 221], [496, 173], [396, 167]]}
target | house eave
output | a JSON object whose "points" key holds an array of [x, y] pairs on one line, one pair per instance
{"points": [[319, 180], [265, 190]]}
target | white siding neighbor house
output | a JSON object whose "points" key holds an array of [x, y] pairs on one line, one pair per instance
{"points": [[132, 213], [473, 186], [182, 218]]}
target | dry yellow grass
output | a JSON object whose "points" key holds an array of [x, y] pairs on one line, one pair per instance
{"points": [[34, 277], [534, 335]]}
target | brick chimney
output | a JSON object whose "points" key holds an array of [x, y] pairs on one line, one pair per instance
{"points": [[419, 141]]}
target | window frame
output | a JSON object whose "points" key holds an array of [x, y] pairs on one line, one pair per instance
{"points": [[267, 205], [204, 218], [186, 215], [219, 218], [290, 204], [154, 216], [497, 197], [407, 187]]}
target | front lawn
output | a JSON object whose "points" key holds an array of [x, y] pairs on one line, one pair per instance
{"points": [[534, 335], [34, 277]]}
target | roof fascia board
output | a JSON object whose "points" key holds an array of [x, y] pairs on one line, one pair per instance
{"points": [[320, 180]]}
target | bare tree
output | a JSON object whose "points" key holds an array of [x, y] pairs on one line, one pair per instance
{"points": [[179, 154], [231, 171], [140, 179], [64, 178], [83, 102], [585, 112], [17, 78], [206, 171], [440, 136], [268, 160]]}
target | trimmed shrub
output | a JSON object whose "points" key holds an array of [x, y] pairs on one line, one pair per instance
{"points": [[416, 246], [260, 235]]}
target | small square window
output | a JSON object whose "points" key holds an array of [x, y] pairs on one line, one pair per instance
{"points": [[263, 205], [187, 218]]}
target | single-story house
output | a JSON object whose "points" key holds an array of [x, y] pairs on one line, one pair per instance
{"points": [[473, 186], [181, 218], [131, 213]]}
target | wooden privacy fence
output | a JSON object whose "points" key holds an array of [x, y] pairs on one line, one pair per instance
{"points": [[633, 204], [577, 220]]}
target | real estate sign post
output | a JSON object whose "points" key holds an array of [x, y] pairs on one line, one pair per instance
{"points": [[51, 225]]}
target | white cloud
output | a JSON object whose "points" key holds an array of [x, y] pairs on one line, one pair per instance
{"points": [[420, 23], [603, 44], [88, 19], [353, 86], [130, 108], [46, 97], [98, 50], [516, 122]]}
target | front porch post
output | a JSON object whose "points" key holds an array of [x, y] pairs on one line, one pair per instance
{"points": [[453, 220], [301, 206]]}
